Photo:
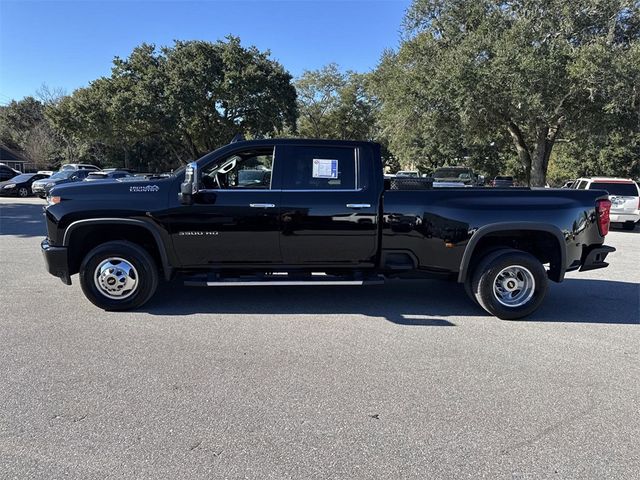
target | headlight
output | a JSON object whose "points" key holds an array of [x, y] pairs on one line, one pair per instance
{"points": [[11, 185], [53, 200], [50, 184]]}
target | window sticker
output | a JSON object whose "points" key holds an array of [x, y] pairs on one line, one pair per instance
{"points": [[325, 168]]}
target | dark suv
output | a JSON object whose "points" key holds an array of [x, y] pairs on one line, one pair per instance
{"points": [[41, 188], [502, 181]]}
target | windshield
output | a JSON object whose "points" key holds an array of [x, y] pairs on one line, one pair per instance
{"points": [[62, 174], [622, 189], [22, 178]]}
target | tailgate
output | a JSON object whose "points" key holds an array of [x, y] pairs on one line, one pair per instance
{"points": [[623, 204]]}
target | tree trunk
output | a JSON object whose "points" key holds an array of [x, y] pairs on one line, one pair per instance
{"points": [[191, 146], [521, 147], [127, 161], [540, 158], [544, 145]]}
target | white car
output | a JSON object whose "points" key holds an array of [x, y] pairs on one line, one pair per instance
{"points": [[408, 173], [624, 194], [79, 166]]}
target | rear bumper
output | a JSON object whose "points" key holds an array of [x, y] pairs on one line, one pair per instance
{"points": [[624, 217], [595, 257], [55, 261]]}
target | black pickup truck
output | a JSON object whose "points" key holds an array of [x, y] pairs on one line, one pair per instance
{"points": [[317, 212]]}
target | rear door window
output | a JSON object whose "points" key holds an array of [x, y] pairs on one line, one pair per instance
{"points": [[319, 168]]}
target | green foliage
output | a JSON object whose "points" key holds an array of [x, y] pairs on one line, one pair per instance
{"points": [[474, 72], [333, 104], [17, 119], [24, 127], [531, 88], [340, 105], [165, 107]]}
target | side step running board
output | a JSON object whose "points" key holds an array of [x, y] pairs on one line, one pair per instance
{"points": [[280, 279]]}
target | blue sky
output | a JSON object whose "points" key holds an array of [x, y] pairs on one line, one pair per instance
{"points": [[68, 44]]}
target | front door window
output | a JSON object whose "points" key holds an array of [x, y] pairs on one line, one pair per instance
{"points": [[245, 170]]}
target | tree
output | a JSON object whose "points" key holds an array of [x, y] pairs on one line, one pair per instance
{"points": [[340, 105], [333, 104], [470, 72], [167, 106], [17, 119], [24, 127]]}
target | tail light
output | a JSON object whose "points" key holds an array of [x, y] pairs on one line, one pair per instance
{"points": [[602, 210]]}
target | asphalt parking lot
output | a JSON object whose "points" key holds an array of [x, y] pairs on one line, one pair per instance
{"points": [[405, 380]]}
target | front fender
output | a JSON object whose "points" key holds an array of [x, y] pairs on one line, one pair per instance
{"points": [[157, 236]]}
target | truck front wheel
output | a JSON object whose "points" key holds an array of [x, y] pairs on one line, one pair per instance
{"points": [[118, 275], [509, 284]]}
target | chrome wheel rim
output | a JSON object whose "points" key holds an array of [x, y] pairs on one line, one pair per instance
{"points": [[514, 286], [116, 278]]}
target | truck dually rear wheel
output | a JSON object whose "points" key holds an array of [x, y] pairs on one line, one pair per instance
{"points": [[118, 275], [509, 284]]}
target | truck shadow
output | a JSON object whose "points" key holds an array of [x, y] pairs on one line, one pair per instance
{"points": [[22, 219], [408, 303], [403, 303]]}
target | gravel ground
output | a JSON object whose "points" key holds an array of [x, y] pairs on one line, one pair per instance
{"points": [[405, 380]]}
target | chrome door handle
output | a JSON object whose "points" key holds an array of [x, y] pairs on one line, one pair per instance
{"points": [[358, 205], [262, 205]]}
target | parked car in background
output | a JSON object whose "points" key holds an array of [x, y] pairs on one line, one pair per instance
{"points": [[502, 181], [624, 195], [254, 178], [128, 170], [79, 166], [42, 187], [408, 173], [449, 184], [7, 173], [107, 175], [568, 184], [463, 175], [20, 185]]}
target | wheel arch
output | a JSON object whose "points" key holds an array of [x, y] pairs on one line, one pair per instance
{"points": [[498, 235], [151, 239]]}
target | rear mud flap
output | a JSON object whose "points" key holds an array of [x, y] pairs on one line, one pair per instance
{"points": [[595, 258]]}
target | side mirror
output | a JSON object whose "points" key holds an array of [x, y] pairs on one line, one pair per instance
{"points": [[189, 187]]}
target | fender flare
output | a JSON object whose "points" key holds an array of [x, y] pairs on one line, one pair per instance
{"points": [[504, 226], [166, 266]]}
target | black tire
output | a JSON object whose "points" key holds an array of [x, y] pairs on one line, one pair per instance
{"points": [[629, 225], [468, 283], [145, 268], [468, 288], [488, 269], [23, 192]]}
